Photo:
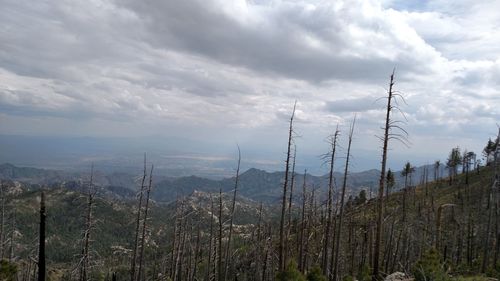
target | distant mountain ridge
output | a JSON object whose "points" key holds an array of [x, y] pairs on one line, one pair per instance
{"points": [[254, 184]]}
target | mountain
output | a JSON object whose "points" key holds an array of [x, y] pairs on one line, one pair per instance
{"points": [[254, 184], [114, 223]]}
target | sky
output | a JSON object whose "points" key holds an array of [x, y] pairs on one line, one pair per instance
{"points": [[226, 72]]}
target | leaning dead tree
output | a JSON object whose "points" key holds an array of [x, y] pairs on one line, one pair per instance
{"points": [[282, 257], [341, 207], [233, 205], [401, 135], [133, 265], [84, 264], [41, 240]]}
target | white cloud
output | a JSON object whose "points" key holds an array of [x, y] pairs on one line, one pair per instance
{"points": [[233, 67]]}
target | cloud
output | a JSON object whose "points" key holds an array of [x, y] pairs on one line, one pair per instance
{"points": [[360, 104], [233, 68], [313, 41]]}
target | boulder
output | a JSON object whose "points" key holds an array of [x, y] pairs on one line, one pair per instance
{"points": [[398, 276]]}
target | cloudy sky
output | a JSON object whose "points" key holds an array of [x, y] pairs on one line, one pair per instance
{"points": [[229, 71]]}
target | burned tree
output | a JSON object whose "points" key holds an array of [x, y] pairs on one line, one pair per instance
{"points": [[41, 240], [144, 225], [303, 224], [233, 205], [290, 199], [282, 257], [342, 198], [2, 219], [133, 265], [329, 219], [84, 264], [390, 125]]}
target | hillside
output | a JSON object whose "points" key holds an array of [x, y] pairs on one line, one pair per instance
{"points": [[114, 226], [411, 218]]}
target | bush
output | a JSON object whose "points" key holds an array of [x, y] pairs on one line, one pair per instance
{"points": [[348, 278], [315, 274], [291, 273], [365, 274], [430, 267], [7, 271]]}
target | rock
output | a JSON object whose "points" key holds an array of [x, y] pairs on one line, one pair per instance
{"points": [[398, 276]]}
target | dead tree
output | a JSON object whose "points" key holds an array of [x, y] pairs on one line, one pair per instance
{"points": [[144, 225], [328, 225], [209, 258], [390, 124], [219, 261], [12, 232], [303, 224], [290, 198], [196, 254], [342, 198], [84, 265], [2, 219], [133, 265], [41, 240], [233, 205], [282, 257]]}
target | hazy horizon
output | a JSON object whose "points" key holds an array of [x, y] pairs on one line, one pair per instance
{"points": [[189, 80]]}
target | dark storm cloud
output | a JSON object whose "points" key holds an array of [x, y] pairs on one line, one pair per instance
{"points": [[290, 39]]}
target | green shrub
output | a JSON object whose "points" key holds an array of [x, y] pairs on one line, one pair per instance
{"points": [[348, 278], [365, 274], [291, 273], [315, 274], [430, 267], [7, 271]]}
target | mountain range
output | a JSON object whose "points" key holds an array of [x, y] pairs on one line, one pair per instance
{"points": [[254, 184]]}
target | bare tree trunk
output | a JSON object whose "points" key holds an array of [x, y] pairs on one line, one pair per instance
{"points": [[282, 257], [144, 224], [342, 197], [258, 258], [289, 215], [380, 207], [209, 262], [2, 220], [12, 230], [302, 224], [174, 241], [133, 265], [267, 254], [219, 263], [41, 241], [488, 228], [329, 219], [196, 254], [180, 254], [233, 204], [85, 260], [178, 246]]}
